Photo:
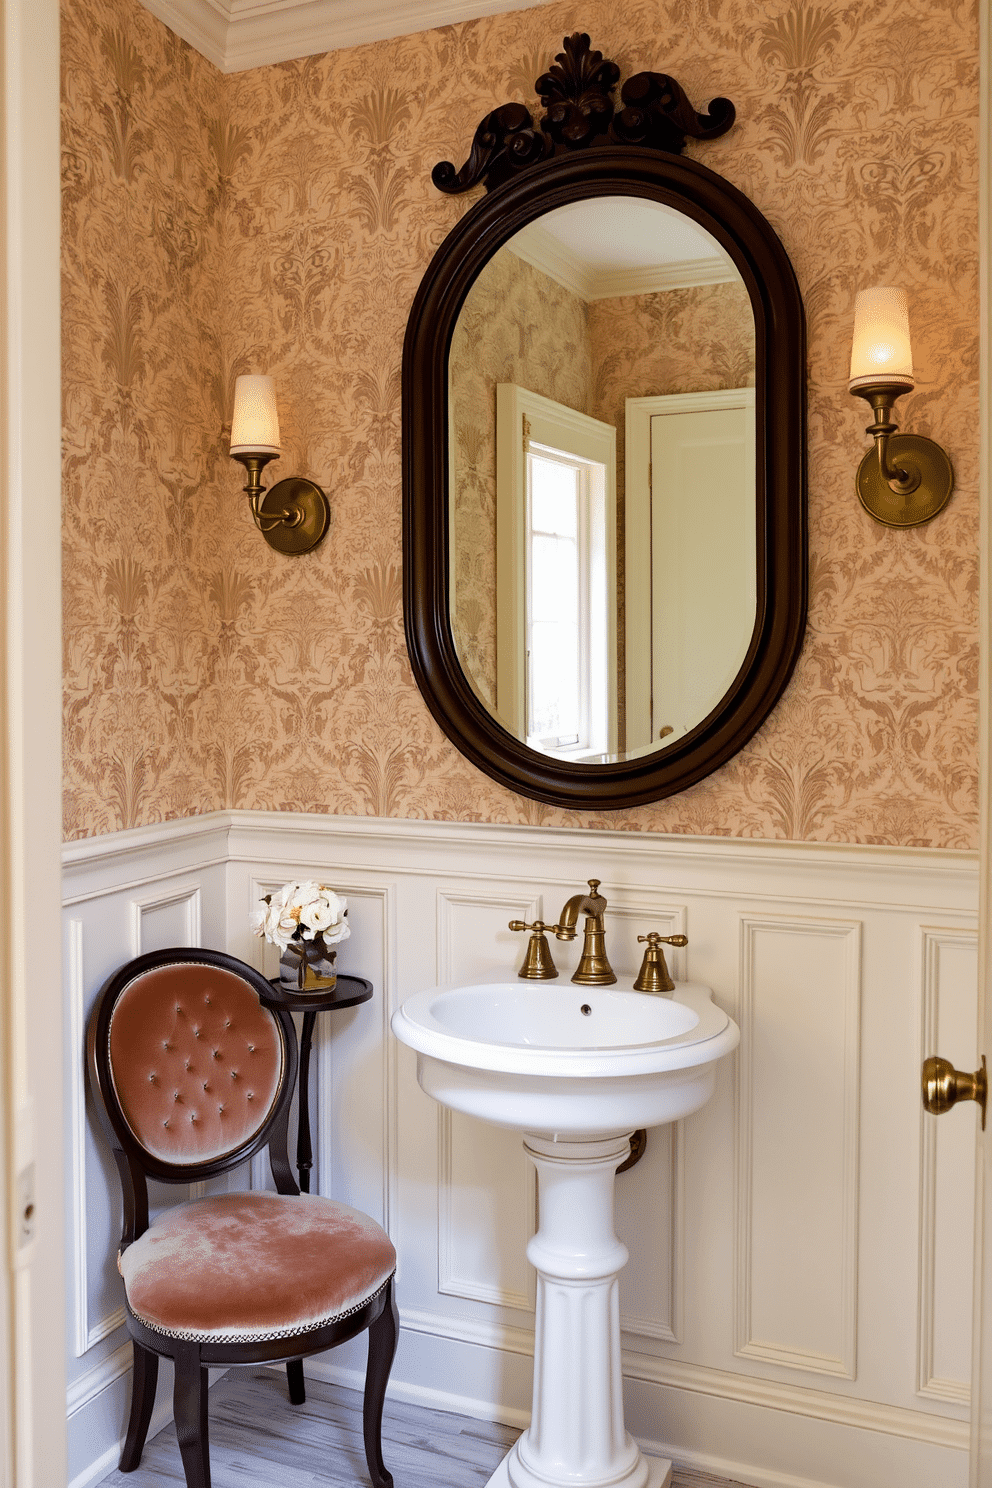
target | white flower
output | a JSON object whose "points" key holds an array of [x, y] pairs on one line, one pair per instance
{"points": [[303, 893], [301, 911], [317, 915]]}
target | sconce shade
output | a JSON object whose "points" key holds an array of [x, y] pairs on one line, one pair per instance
{"points": [[255, 424], [881, 352]]}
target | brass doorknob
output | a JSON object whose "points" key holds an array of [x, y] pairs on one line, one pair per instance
{"points": [[944, 1086]]}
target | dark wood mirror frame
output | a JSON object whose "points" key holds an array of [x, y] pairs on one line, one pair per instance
{"points": [[527, 191]]}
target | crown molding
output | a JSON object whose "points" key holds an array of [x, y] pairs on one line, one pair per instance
{"points": [[690, 273], [199, 22], [238, 34], [550, 256]]}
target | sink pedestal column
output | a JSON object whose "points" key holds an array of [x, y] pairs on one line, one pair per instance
{"points": [[576, 1437]]}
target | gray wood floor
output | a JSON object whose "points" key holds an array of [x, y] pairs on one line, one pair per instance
{"points": [[259, 1440]]}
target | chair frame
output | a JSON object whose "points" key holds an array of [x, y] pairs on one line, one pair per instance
{"points": [[192, 1359]]}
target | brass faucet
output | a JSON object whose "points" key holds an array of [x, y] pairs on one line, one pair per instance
{"points": [[594, 969]]}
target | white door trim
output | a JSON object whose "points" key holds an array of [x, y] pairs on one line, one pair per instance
{"points": [[30, 765], [981, 1384]]}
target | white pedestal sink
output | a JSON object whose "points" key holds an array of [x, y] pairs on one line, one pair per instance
{"points": [[577, 1069]]}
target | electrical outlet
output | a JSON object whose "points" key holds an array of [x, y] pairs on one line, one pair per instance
{"points": [[25, 1206]]}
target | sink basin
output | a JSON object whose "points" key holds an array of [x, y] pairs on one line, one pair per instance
{"points": [[570, 1060]]}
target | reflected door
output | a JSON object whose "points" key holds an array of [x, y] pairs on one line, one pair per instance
{"points": [[691, 614]]}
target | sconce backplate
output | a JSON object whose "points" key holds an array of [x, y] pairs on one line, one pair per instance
{"points": [[294, 495], [912, 452]]}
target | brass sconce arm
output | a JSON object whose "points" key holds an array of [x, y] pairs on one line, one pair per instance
{"points": [[906, 479], [292, 515], [253, 488], [882, 399]]}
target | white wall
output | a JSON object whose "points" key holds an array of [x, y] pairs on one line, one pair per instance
{"points": [[797, 1307]]}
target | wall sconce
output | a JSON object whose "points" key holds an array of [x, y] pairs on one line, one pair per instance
{"points": [[293, 515], [906, 479]]}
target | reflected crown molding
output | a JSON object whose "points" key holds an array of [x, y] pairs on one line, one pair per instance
{"points": [[238, 34], [546, 254]]}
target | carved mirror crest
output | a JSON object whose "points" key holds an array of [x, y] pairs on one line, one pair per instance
{"points": [[604, 449]]}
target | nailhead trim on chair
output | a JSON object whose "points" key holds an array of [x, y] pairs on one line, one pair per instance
{"points": [[193, 1335]]}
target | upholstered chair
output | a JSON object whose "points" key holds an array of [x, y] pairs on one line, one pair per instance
{"points": [[192, 1076]]}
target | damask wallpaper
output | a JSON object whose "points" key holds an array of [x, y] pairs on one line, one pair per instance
{"points": [[280, 220], [517, 325], [144, 400]]}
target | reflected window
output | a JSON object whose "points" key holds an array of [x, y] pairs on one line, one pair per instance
{"points": [[556, 605], [567, 705]]}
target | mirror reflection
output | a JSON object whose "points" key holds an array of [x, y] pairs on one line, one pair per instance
{"points": [[602, 479]]}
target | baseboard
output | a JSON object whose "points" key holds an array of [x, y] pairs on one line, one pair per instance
{"points": [[90, 1386], [692, 1469], [104, 1464], [441, 1400], [699, 1470]]}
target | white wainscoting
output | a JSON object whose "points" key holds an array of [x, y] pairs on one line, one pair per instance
{"points": [[797, 1304]]}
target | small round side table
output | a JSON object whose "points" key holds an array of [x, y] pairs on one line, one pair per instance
{"points": [[347, 992]]}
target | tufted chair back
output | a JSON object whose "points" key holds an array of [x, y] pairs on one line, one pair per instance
{"points": [[196, 1061], [193, 1072]]}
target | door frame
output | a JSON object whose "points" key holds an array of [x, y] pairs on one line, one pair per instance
{"points": [[980, 1466], [32, 1299]]}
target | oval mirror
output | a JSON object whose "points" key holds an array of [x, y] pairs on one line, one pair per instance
{"points": [[604, 465]]}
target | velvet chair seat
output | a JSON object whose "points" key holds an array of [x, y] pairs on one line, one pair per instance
{"points": [[250, 1266]]}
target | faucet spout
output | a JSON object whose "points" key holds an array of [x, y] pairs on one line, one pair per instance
{"points": [[594, 969]]}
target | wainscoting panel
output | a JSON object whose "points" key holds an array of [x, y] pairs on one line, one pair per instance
{"points": [[650, 1216], [799, 1249], [168, 918], [797, 1137], [486, 1213], [486, 1185], [949, 966]]}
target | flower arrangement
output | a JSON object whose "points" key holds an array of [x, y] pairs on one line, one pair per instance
{"points": [[304, 920]]}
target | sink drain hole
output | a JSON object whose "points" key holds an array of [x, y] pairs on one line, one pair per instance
{"points": [[585, 1009]]}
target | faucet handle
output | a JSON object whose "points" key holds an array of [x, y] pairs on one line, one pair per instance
{"points": [[594, 893], [538, 965], [653, 975]]}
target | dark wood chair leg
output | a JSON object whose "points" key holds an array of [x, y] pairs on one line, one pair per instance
{"points": [[190, 1410], [297, 1387], [143, 1381], [383, 1336]]}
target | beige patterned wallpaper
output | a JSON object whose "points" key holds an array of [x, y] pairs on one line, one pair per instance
{"points": [[280, 220], [143, 402], [516, 325]]}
